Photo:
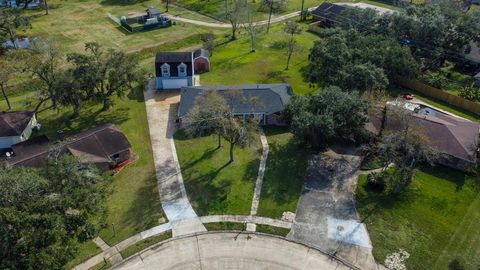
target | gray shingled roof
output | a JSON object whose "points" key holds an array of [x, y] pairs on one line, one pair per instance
{"points": [[201, 52], [14, 123], [173, 57], [270, 98], [328, 11]]}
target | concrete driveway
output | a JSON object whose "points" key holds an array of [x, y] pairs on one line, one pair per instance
{"points": [[326, 216], [162, 107], [223, 250]]}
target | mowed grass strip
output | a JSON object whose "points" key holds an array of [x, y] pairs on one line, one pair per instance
{"points": [[145, 243], [284, 174], [225, 226], [213, 185], [272, 230], [435, 220]]}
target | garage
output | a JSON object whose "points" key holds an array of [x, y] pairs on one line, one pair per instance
{"points": [[174, 83]]}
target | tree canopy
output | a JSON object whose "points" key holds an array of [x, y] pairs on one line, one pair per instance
{"points": [[331, 116], [434, 32], [45, 212], [353, 61]]}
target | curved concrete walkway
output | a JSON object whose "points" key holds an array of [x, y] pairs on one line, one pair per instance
{"points": [[113, 253], [228, 250]]}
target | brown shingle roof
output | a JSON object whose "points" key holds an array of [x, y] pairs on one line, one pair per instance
{"points": [[96, 145], [450, 135], [14, 123]]}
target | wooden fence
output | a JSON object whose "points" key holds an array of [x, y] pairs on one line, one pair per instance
{"points": [[440, 95]]}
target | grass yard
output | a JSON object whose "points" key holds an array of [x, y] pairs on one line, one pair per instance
{"points": [[284, 174], [436, 220], [214, 186], [225, 226], [266, 65], [272, 230], [145, 243], [75, 22], [216, 8], [134, 204]]}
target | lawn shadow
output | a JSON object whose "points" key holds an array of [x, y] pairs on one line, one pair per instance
{"points": [[204, 194], [88, 118], [145, 210], [285, 170], [451, 175]]}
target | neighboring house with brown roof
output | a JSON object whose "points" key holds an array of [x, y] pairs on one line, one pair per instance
{"points": [[104, 146], [455, 138], [15, 127]]}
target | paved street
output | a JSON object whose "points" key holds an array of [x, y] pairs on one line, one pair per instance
{"points": [[230, 251]]}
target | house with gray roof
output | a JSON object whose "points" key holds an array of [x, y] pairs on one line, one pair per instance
{"points": [[264, 102]]}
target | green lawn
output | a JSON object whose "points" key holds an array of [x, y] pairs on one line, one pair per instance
{"points": [[284, 174], [225, 226], [75, 22], [233, 60], [436, 220], [145, 243], [216, 8], [134, 204], [85, 250], [214, 186], [272, 230]]}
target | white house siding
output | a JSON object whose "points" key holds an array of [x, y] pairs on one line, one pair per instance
{"points": [[173, 82], [7, 142]]}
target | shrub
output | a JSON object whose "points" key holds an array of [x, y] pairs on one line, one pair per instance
{"points": [[470, 92], [437, 80], [377, 181]]}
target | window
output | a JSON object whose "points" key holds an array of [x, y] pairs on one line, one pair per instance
{"points": [[182, 70], [165, 70]]}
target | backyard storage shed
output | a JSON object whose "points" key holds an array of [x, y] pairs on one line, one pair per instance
{"points": [[265, 102], [15, 127], [175, 70]]}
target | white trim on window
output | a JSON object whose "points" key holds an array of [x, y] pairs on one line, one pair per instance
{"points": [[182, 70], [165, 70]]}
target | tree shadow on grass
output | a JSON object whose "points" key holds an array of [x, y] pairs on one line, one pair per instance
{"points": [[451, 175], [204, 194], [285, 172], [88, 118], [144, 211]]}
